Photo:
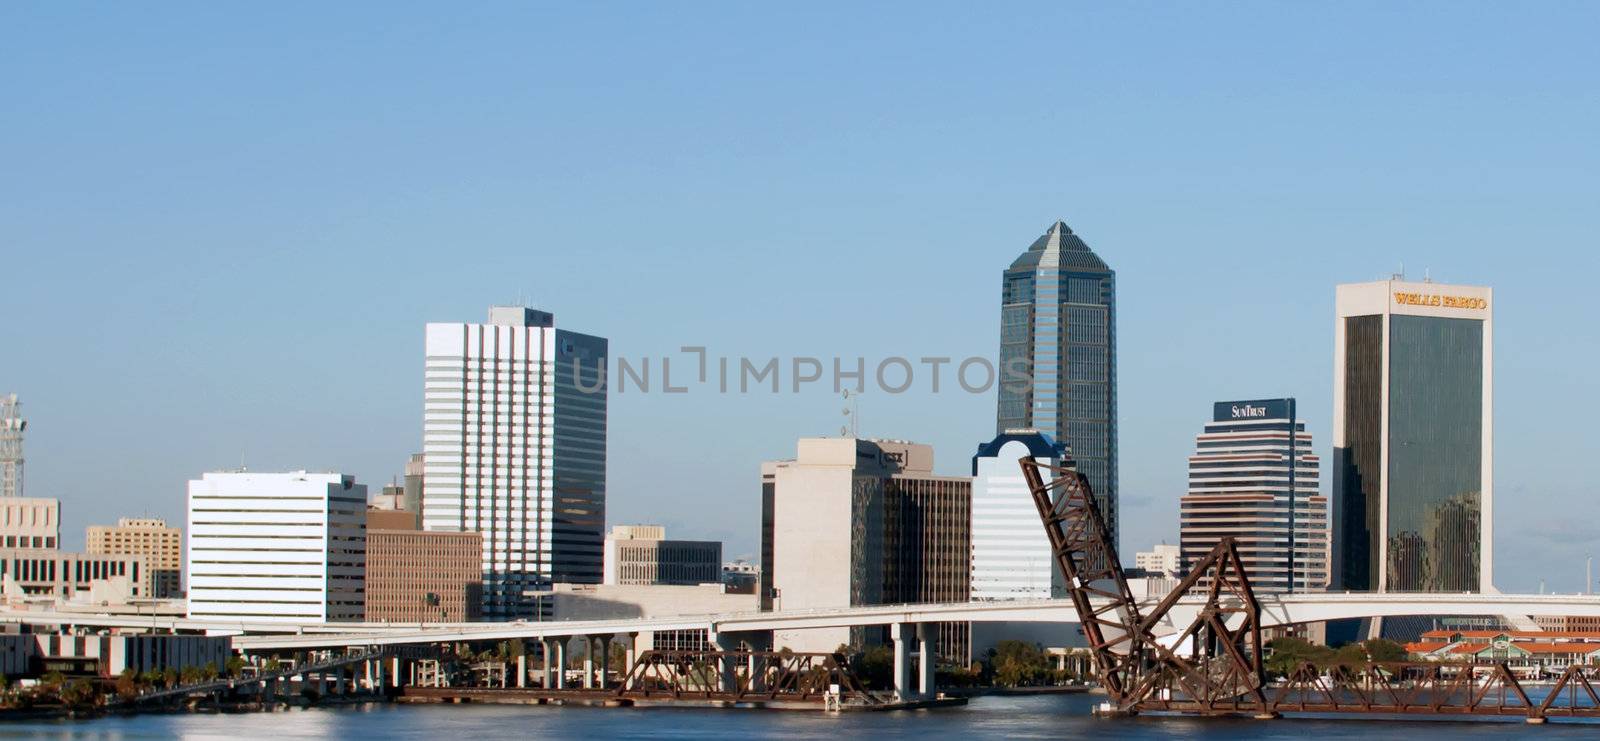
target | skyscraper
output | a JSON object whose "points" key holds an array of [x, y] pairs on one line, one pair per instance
{"points": [[1253, 477], [1058, 355], [514, 447], [1413, 437]]}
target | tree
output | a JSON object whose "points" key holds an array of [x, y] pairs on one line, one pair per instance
{"points": [[169, 676], [1290, 653], [1384, 650], [1019, 664], [190, 675], [128, 684], [875, 667], [235, 666], [79, 693]]}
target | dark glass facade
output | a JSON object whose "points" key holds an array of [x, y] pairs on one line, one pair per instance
{"points": [[1058, 355], [1358, 465], [1435, 453], [1434, 470]]}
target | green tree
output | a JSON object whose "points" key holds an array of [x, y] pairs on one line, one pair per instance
{"points": [[190, 675], [875, 667], [79, 693], [1382, 650], [235, 666], [1019, 664], [1288, 654], [169, 677]]}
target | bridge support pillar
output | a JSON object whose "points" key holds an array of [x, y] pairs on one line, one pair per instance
{"points": [[561, 663], [394, 672], [927, 633], [522, 670], [629, 658], [727, 680], [901, 634], [588, 662], [605, 661]]}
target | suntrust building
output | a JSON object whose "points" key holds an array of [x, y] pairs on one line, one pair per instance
{"points": [[1413, 459]]}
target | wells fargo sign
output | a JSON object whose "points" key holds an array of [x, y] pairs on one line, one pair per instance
{"points": [[1435, 299]]}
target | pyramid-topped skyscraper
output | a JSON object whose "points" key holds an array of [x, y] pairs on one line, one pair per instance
{"points": [[1058, 355]]}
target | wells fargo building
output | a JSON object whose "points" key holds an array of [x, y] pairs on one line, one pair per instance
{"points": [[1413, 437]]}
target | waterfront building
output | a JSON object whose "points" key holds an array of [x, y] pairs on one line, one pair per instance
{"points": [[1011, 556], [1413, 437], [12, 425], [415, 576], [1163, 560], [160, 544], [30, 655], [1058, 356], [514, 438], [641, 554], [285, 547], [1529, 653], [30, 522], [60, 576], [1254, 478], [866, 522]]}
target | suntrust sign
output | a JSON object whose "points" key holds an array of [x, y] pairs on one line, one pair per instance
{"points": [[1229, 411], [1435, 299]]}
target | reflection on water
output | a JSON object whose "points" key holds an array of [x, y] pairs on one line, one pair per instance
{"points": [[1042, 717]]}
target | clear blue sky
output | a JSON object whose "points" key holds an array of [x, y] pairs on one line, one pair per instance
{"points": [[223, 226]]}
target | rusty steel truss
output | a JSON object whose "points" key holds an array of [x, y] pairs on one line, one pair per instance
{"points": [[1214, 666], [743, 676]]}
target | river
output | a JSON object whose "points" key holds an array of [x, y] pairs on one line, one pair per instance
{"points": [[1028, 717]]}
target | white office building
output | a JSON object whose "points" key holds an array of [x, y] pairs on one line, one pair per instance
{"points": [[285, 547], [1011, 556], [514, 438]]}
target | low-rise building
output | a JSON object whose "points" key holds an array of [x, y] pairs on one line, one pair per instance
{"points": [[160, 544], [1530, 653], [31, 574], [421, 576], [108, 655], [642, 555], [624, 601], [30, 522]]}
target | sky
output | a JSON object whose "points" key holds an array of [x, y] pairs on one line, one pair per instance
{"points": [[223, 226]]}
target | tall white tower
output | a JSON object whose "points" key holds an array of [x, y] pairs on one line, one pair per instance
{"points": [[11, 426], [514, 440]]}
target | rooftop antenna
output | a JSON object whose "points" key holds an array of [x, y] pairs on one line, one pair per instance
{"points": [[852, 413]]}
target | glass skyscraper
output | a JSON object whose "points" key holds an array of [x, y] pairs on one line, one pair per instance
{"points": [[1058, 355], [1413, 438]]}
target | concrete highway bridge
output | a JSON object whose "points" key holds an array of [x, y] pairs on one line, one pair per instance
{"points": [[1276, 610]]}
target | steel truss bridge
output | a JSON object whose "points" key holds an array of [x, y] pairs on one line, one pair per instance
{"points": [[1213, 663]]}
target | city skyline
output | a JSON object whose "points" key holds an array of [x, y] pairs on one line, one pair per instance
{"points": [[1228, 233]]}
